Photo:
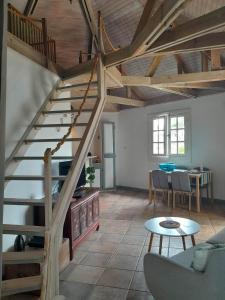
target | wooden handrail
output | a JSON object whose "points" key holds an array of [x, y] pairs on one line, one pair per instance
{"points": [[29, 32]]}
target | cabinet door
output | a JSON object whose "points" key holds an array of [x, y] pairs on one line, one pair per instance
{"points": [[75, 223], [89, 213], [109, 156], [95, 208], [83, 217]]}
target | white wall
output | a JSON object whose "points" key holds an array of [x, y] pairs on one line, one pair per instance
{"points": [[28, 85], [207, 141]]}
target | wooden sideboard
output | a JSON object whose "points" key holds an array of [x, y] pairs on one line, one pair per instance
{"points": [[82, 218]]}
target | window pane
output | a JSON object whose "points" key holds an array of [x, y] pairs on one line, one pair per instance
{"points": [[173, 122], [180, 122], [155, 137], [155, 124], [161, 124], [181, 135], [161, 136], [181, 148], [173, 135], [155, 148], [161, 148], [173, 147]]}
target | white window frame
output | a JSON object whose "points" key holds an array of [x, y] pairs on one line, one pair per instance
{"points": [[187, 139]]}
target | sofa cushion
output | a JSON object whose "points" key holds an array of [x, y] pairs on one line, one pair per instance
{"points": [[200, 257], [185, 258], [218, 238]]}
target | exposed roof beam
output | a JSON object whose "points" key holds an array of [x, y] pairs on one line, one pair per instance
{"points": [[30, 7], [154, 27], [86, 7], [124, 101], [215, 86], [191, 29], [147, 11], [178, 91], [154, 65], [172, 80]]}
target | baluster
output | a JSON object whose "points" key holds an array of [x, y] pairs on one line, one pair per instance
{"points": [[45, 41], [48, 187]]}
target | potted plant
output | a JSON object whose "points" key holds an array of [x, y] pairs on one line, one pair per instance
{"points": [[90, 175]]}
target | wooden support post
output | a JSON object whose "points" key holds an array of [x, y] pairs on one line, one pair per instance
{"points": [[205, 62], [48, 188], [80, 57], [3, 58], [215, 59], [45, 39]]}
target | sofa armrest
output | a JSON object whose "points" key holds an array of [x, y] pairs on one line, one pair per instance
{"points": [[166, 279]]}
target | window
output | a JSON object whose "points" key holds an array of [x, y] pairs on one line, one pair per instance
{"points": [[170, 134]]}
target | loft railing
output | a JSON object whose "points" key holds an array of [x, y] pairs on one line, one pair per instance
{"points": [[31, 31]]}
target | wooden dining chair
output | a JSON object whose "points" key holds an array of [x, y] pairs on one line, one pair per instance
{"points": [[181, 185], [205, 180], [160, 184]]}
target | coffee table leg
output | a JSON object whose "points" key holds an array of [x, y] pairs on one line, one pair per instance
{"points": [[150, 242], [160, 244], [183, 240], [193, 240]]}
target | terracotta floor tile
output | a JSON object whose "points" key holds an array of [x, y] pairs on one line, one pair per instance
{"points": [[107, 293], [95, 259], [125, 249], [136, 295], [116, 278], [124, 262], [138, 282], [83, 274]]}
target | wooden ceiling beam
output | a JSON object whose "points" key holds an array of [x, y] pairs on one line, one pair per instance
{"points": [[190, 30], [125, 101], [88, 12], [179, 91], [215, 86], [154, 27], [147, 11], [172, 80], [154, 65]]}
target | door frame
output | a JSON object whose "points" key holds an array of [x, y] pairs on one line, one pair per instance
{"points": [[108, 155]]}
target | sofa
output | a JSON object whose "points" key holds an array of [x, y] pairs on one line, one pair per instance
{"points": [[175, 278]]}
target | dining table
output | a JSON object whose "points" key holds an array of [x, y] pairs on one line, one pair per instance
{"points": [[201, 178]]}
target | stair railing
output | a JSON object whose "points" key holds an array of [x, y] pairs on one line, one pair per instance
{"points": [[32, 31]]}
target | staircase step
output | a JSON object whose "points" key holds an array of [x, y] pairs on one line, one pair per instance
{"points": [[19, 201], [51, 140], [59, 125], [41, 157], [23, 229], [24, 257], [21, 285], [69, 99], [68, 87], [32, 177], [51, 112]]}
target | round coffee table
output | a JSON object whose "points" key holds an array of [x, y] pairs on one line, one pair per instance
{"points": [[171, 227]]}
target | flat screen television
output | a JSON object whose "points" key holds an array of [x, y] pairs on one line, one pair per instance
{"points": [[64, 168]]}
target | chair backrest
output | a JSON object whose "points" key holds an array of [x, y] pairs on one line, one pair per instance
{"points": [[180, 181], [160, 179]]}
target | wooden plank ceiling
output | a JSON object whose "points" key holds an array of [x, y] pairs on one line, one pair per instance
{"points": [[67, 26]]}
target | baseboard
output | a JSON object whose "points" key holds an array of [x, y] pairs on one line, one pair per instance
{"points": [[133, 189]]}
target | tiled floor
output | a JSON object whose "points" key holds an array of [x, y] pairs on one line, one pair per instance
{"points": [[109, 264]]}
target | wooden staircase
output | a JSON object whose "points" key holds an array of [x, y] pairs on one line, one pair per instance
{"points": [[48, 281]]}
